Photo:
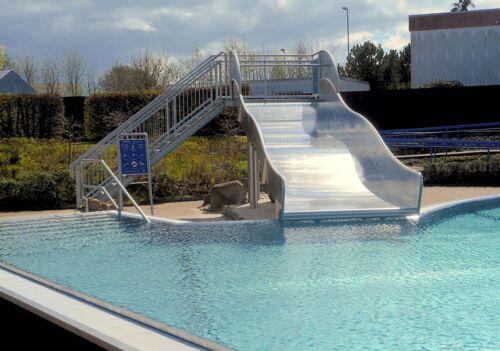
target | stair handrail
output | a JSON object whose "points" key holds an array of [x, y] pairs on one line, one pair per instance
{"points": [[137, 118]]}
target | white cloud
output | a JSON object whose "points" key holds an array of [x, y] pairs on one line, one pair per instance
{"points": [[135, 24], [399, 39], [106, 31]]}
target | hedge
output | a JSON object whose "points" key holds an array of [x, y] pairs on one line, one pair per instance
{"points": [[37, 116], [478, 172], [104, 111]]}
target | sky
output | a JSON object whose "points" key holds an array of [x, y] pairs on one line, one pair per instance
{"points": [[109, 31]]}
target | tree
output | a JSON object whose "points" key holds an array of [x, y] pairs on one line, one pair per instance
{"points": [[71, 130], [405, 66], [49, 76], [73, 70], [365, 63], [148, 70], [390, 70], [28, 68], [8, 63], [119, 78], [92, 81], [462, 5]]}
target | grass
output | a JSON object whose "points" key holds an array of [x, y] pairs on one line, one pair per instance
{"points": [[34, 173]]}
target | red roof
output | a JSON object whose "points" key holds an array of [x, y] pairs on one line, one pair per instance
{"points": [[449, 20]]}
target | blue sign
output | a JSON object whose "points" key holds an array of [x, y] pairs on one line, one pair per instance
{"points": [[315, 72], [133, 156]]}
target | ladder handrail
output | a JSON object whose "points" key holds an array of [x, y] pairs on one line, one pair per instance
{"points": [[119, 183]]}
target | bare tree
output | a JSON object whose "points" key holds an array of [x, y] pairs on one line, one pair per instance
{"points": [[69, 129], [174, 71], [49, 76], [92, 81], [73, 70], [148, 70], [27, 66]]}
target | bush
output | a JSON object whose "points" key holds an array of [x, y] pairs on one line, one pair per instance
{"points": [[35, 116], [443, 84], [34, 173], [478, 172], [38, 191]]}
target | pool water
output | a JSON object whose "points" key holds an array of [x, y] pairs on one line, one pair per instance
{"points": [[366, 285]]}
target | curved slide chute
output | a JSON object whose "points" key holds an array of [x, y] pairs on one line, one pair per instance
{"points": [[323, 160]]}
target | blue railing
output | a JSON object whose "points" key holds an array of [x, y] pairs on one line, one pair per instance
{"points": [[445, 137]]}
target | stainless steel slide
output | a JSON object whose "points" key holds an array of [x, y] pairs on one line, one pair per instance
{"points": [[320, 159]]}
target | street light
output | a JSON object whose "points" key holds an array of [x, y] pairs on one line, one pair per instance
{"points": [[348, 46], [284, 59]]}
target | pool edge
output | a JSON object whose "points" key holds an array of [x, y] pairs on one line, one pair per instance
{"points": [[450, 204], [90, 304]]}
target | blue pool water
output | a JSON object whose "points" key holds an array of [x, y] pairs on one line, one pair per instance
{"points": [[368, 285]]}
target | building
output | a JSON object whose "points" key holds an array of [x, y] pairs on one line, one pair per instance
{"points": [[463, 46], [11, 82]]}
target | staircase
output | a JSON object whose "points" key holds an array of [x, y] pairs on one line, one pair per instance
{"points": [[172, 117]]}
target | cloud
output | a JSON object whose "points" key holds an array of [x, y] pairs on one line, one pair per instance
{"points": [[114, 30], [135, 24], [399, 39]]}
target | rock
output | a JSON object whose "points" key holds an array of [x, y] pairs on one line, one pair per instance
{"points": [[206, 200], [106, 206], [230, 193], [229, 213], [97, 205], [94, 205]]}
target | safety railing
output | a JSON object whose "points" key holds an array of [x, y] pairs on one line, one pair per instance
{"points": [[165, 118], [275, 76], [99, 168], [477, 136]]}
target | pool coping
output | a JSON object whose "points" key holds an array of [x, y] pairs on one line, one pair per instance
{"points": [[136, 323], [446, 205], [94, 309]]}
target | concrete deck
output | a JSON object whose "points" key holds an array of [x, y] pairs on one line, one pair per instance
{"points": [[191, 210]]}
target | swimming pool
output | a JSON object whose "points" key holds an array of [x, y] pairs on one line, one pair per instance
{"points": [[381, 285]]}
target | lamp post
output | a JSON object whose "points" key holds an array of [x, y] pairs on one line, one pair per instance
{"points": [[284, 59], [348, 46]]}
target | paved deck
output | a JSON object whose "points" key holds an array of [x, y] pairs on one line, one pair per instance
{"points": [[191, 210]]}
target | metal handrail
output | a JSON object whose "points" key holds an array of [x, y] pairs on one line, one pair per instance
{"points": [[119, 183], [146, 112], [277, 55], [211, 74]]}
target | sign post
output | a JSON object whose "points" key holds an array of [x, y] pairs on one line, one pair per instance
{"points": [[133, 160]]}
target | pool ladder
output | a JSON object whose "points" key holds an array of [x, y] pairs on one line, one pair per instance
{"points": [[103, 190]]}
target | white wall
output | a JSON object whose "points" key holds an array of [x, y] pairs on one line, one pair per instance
{"points": [[470, 55]]}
